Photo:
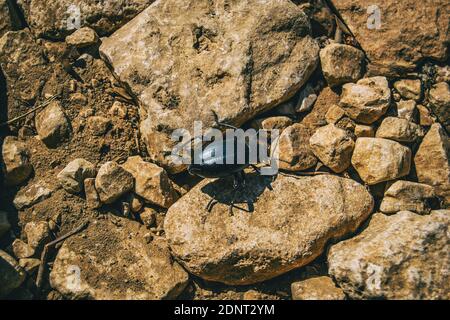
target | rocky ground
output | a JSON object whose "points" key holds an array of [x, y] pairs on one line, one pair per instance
{"points": [[90, 94]]}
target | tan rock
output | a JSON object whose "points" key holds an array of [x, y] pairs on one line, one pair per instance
{"points": [[341, 64], [306, 99], [92, 197], [333, 146], [15, 161], [277, 122], [38, 234], [294, 151], [12, 275], [425, 118], [432, 161], [377, 160], [407, 196], [287, 229], [5, 21], [363, 131], [439, 97], [31, 194], [113, 262], [73, 175], [148, 216], [367, 100], [151, 182], [81, 38], [406, 109], [402, 256], [221, 43], [30, 265], [334, 114], [98, 125], [112, 182], [396, 37], [52, 125], [319, 288], [22, 250], [409, 89], [399, 129]]}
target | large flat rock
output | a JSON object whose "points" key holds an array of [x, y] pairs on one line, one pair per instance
{"points": [[183, 59], [288, 228]]}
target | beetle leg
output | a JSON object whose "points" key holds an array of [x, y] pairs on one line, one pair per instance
{"points": [[218, 123], [238, 183]]}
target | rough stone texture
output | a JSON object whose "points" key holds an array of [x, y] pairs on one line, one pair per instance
{"points": [[92, 197], [16, 164], [4, 223], [22, 250], [402, 256], [294, 151], [398, 129], [363, 131], [334, 114], [245, 57], [306, 99], [341, 63], [151, 182], [439, 97], [287, 229], [115, 262], [5, 21], [377, 160], [319, 288], [98, 125], [30, 265], [367, 100], [333, 146], [410, 31], [73, 175], [277, 122], [24, 66], [406, 109], [38, 233], [409, 89], [407, 196], [432, 161], [30, 195], [425, 118], [52, 125], [82, 38], [112, 182], [56, 19], [11, 274]]}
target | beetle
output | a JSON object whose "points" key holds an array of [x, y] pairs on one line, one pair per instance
{"points": [[213, 164]]}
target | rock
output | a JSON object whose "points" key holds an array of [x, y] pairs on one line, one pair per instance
{"points": [[367, 100], [377, 160], [118, 109], [148, 217], [25, 69], [334, 114], [439, 97], [294, 151], [56, 20], [277, 122], [333, 146], [112, 182], [306, 100], [407, 196], [74, 174], [341, 64], [52, 125], [241, 63], [30, 265], [81, 38], [30, 195], [406, 109], [409, 89], [98, 125], [319, 288], [22, 250], [151, 182], [5, 21], [288, 228], [38, 234], [363, 131], [11, 274], [16, 161], [402, 256], [92, 197], [432, 161], [116, 263], [398, 129], [425, 118], [397, 35], [442, 73], [4, 223]]}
